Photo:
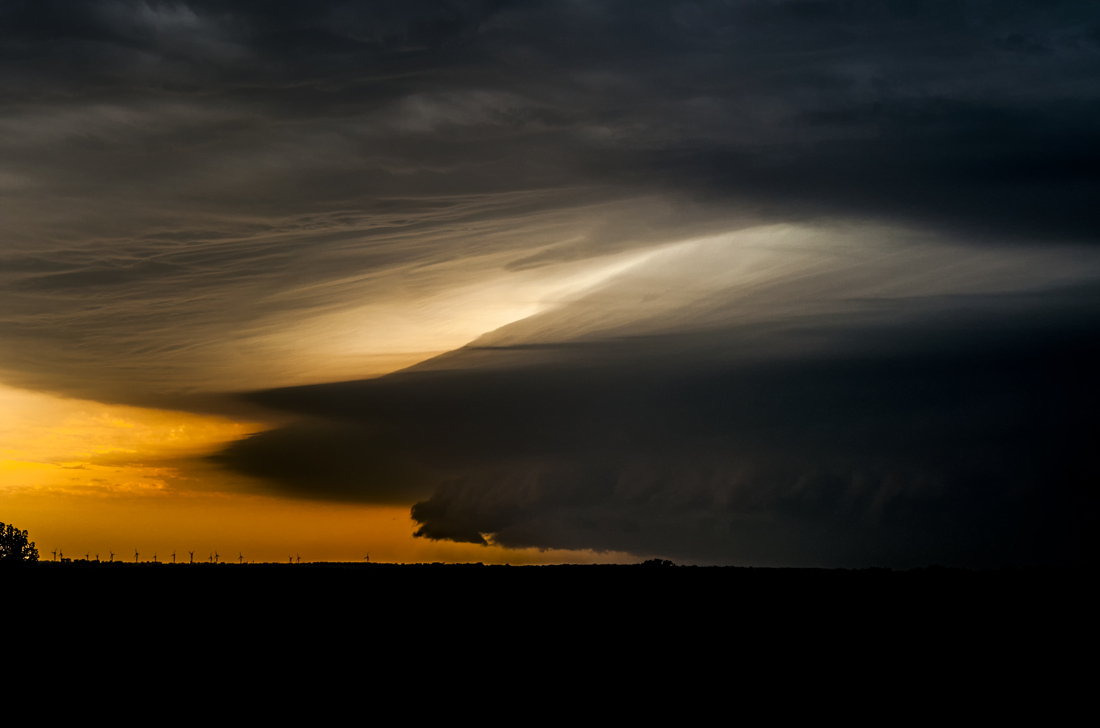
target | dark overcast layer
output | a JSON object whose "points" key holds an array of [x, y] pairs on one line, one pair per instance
{"points": [[876, 346]]}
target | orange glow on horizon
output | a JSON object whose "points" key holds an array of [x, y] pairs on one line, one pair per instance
{"points": [[259, 528], [58, 444], [91, 478]]}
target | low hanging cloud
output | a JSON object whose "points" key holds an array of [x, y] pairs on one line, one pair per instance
{"points": [[976, 458], [901, 428]]}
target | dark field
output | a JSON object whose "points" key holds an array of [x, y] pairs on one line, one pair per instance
{"points": [[338, 622], [609, 594]]}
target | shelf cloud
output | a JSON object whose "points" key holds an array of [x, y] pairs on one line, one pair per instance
{"points": [[767, 281]]}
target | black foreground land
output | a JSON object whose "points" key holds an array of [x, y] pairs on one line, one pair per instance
{"points": [[652, 589], [654, 617]]}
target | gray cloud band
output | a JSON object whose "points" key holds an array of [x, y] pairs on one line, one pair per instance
{"points": [[202, 159]]}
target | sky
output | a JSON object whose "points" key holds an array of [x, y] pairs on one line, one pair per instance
{"points": [[756, 282]]}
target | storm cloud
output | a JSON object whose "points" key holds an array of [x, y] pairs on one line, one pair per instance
{"points": [[906, 430], [187, 182], [777, 281]]}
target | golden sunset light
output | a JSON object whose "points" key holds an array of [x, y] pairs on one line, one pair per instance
{"points": [[92, 478]]}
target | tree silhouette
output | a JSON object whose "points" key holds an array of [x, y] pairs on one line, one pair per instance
{"points": [[14, 546]]}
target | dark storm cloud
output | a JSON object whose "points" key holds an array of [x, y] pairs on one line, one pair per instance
{"points": [[962, 439], [960, 111], [201, 159], [185, 183]]}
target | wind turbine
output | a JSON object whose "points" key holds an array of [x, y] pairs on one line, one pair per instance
{"points": [[367, 557], [290, 559], [135, 555], [299, 559], [154, 557], [112, 557], [192, 557], [97, 558], [61, 554], [173, 556], [87, 555], [215, 557], [54, 552], [240, 558]]}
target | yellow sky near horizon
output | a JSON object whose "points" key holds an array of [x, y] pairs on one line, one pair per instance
{"points": [[91, 478]]}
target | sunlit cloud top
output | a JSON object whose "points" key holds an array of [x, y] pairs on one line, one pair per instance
{"points": [[196, 193]]}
